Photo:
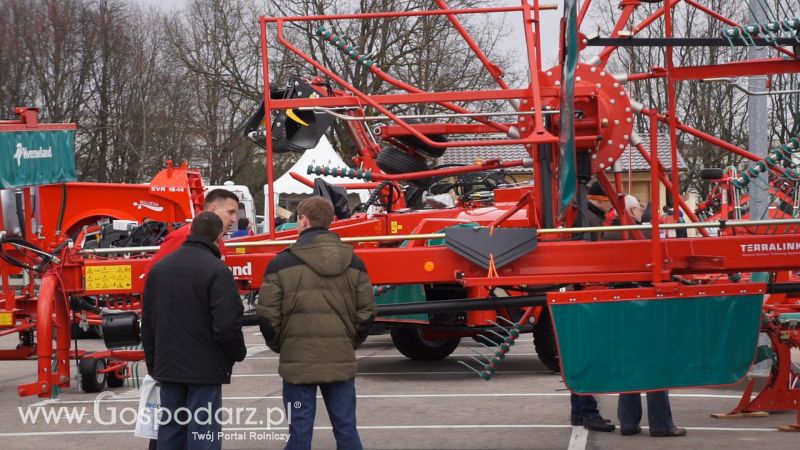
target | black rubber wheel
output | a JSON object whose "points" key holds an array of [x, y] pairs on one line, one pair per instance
{"points": [[544, 341], [113, 381], [392, 160], [410, 343], [423, 148], [91, 379], [92, 333]]}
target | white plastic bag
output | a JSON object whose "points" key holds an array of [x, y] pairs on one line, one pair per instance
{"points": [[149, 403]]}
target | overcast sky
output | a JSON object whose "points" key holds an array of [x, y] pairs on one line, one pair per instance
{"points": [[550, 25]]}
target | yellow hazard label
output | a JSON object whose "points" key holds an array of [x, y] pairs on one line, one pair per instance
{"points": [[103, 278], [396, 227], [6, 319], [241, 250]]}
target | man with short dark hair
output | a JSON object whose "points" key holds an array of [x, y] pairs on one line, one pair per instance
{"points": [[192, 334], [315, 308], [222, 202]]}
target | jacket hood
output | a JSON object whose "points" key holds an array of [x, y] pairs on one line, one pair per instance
{"points": [[323, 252]]}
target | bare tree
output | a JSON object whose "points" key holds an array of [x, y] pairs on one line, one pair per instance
{"points": [[713, 108]]}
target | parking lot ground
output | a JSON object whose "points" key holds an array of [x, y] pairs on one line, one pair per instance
{"points": [[402, 404]]}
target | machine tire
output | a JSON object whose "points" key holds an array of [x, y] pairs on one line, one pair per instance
{"points": [[113, 381], [91, 381], [395, 161], [544, 341], [712, 173], [410, 343]]}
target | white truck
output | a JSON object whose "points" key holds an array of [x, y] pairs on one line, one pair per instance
{"points": [[247, 206]]}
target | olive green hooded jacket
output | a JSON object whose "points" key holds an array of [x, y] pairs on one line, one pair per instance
{"points": [[315, 308]]}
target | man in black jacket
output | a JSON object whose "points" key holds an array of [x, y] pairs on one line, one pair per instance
{"points": [[192, 334], [584, 407]]}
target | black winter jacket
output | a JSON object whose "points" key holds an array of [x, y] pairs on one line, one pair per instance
{"points": [[192, 317]]}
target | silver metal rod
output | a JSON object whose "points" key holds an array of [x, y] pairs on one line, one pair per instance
{"points": [[345, 117], [735, 85], [411, 237], [105, 251]]}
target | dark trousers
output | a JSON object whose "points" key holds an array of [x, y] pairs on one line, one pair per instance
{"points": [[185, 403], [340, 401], [584, 407], [659, 414]]}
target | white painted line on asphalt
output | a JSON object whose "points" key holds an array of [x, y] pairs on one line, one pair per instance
{"points": [[45, 402], [371, 427], [729, 429], [577, 441], [256, 349], [368, 374], [365, 396], [398, 356]]}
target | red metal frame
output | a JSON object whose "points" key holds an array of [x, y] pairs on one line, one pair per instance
{"points": [[557, 260]]}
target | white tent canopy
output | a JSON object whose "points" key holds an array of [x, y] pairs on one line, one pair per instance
{"points": [[321, 155]]}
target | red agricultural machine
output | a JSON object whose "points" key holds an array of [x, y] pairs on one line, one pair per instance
{"points": [[510, 258], [47, 294]]}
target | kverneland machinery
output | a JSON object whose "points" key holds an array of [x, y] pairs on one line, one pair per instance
{"points": [[637, 314]]}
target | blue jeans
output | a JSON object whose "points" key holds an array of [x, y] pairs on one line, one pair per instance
{"points": [[340, 401], [659, 414], [584, 406], [186, 399]]}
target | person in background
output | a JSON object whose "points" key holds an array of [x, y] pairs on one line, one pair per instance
{"points": [[315, 308], [659, 415], [584, 407], [635, 211], [242, 228], [192, 335]]}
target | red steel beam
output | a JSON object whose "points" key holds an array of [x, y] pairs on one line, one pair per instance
{"points": [[738, 69]]}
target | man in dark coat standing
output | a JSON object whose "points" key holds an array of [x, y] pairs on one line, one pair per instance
{"points": [[584, 409], [192, 334], [315, 308]]}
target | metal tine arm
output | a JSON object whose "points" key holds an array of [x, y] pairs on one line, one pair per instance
{"points": [[488, 360], [513, 324], [471, 368], [498, 335]]}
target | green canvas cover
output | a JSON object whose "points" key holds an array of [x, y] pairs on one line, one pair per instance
{"points": [[640, 345], [32, 158], [400, 295]]}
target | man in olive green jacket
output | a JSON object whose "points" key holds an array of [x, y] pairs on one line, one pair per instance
{"points": [[315, 308]]}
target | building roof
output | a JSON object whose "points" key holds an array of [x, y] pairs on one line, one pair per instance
{"points": [[639, 164], [469, 155]]}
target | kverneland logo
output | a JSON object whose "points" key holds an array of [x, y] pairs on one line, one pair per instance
{"points": [[774, 247], [25, 153], [243, 271], [152, 206]]}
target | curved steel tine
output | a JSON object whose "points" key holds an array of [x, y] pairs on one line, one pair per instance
{"points": [[479, 361], [499, 326], [489, 360], [513, 324], [477, 372], [492, 348], [497, 334]]}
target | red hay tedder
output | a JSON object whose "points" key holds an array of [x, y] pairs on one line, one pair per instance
{"points": [[507, 258]]}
